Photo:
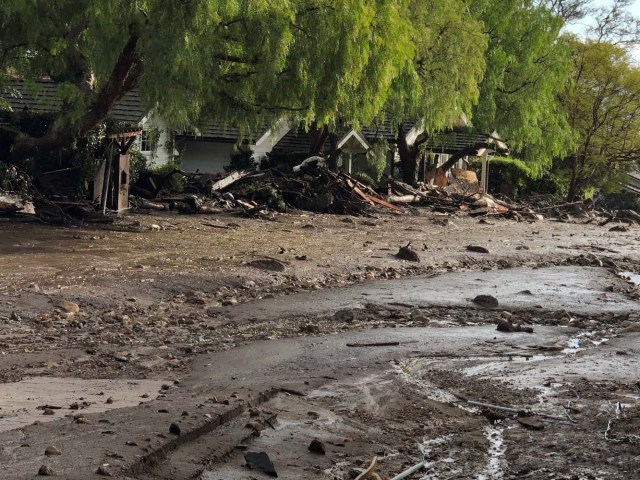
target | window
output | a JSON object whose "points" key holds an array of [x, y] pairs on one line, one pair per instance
{"points": [[148, 141]]}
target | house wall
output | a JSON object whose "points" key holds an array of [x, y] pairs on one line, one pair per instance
{"points": [[164, 151], [205, 156]]}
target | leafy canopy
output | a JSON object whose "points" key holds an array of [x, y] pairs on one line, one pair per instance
{"points": [[242, 61]]}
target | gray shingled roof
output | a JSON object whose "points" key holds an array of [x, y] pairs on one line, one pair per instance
{"points": [[40, 97], [299, 141]]}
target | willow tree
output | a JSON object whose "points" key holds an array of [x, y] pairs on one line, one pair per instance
{"points": [[240, 61], [441, 82]]}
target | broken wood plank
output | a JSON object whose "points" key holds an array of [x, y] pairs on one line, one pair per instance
{"points": [[230, 180], [384, 204]]}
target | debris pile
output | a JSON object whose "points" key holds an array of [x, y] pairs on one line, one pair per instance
{"points": [[312, 187]]}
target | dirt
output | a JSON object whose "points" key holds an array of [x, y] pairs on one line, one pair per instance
{"points": [[157, 295]]}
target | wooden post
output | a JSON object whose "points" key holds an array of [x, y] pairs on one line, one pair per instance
{"points": [[484, 178]]}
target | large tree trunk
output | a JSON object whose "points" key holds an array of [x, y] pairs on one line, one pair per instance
{"points": [[124, 78], [572, 194], [319, 139], [333, 152], [409, 158]]}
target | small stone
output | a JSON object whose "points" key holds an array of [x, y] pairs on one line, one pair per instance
{"points": [[532, 422], [346, 316], [48, 411], [487, 301], [102, 470], [408, 253], [477, 249], [51, 451], [165, 387], [70, 307], [175, 429], [317, 446], [46, 471], [109, 401], [256, 426]]}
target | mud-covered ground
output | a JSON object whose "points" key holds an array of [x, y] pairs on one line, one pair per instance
{"points": [[145, 298]]}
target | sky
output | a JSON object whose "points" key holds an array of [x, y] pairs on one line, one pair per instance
{"points": [[634, 9]]}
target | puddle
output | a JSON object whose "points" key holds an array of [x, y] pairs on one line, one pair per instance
{"points": [[19, 400], [631, 277], [573, 346]]}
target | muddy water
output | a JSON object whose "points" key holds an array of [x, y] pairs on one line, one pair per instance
{"points": [[582, 290]]}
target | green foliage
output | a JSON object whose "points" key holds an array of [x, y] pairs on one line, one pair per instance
{"points": [[440, 83], [603, 109], [528, 66], [177, 182], [377, 159], [235, 61], [137, 164]]}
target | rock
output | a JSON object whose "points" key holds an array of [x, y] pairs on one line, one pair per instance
{"points": [[46, 471], [619, 228], [317, 446], [477, 249], [408, 253], [634, 328], [418, 316], [102, 470], [506, 325], [230, 301], [532, 422], [270, 264], [309, 328], [175, 429], [260, 461], [109, 401], [256, 426], [48, 411], [50, 451], [486, 301], [345, 315], [70, 307]]}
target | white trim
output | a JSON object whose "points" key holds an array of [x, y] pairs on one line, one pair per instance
{"points": [[358, 136]]}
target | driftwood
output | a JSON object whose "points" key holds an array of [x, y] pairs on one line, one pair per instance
{"points": [[369, 473], [375, 344]]}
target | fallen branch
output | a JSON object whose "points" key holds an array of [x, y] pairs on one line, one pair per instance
{"points": [[369, 473], [516, 411], [410, 471], [375, 344]]}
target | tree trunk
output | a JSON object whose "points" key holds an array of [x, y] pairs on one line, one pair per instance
{"points": [[333, 152], [573, 181], [124, 78], [409, 158], [319, 139]]}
